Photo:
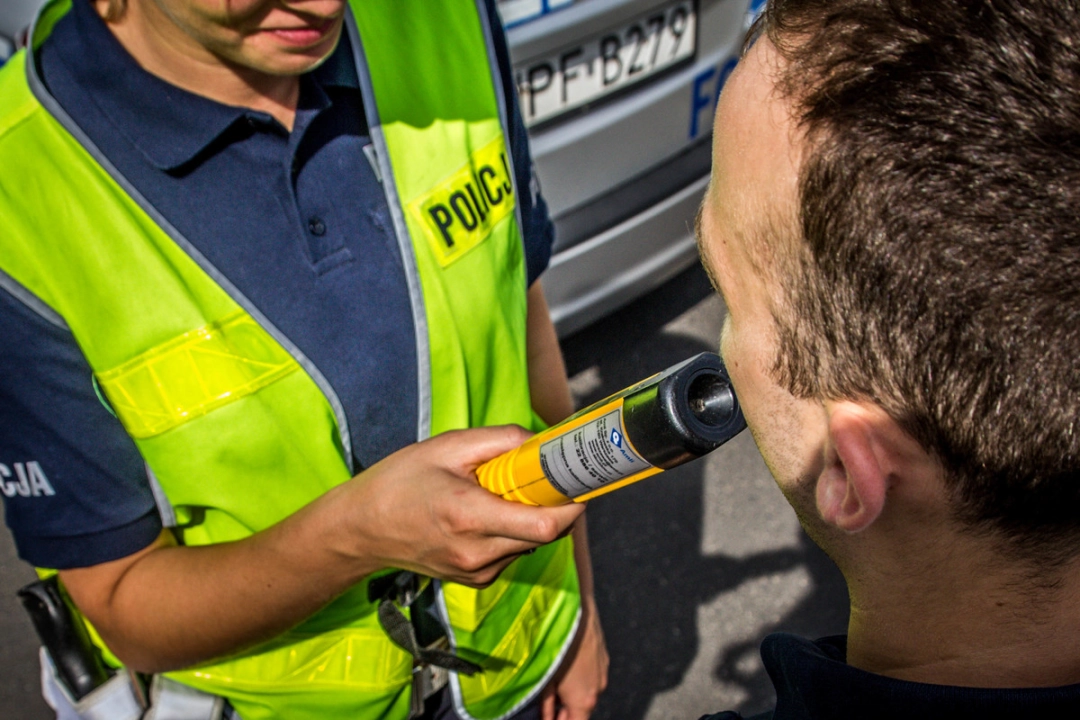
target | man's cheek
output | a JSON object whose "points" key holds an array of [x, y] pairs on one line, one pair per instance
{"points": [[732, 350]]}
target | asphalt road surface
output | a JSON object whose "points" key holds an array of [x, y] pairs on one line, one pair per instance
{"points": [[693, 567]]}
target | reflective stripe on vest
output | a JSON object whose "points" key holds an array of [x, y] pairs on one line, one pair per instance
{"points": [[152, 316], [194, 374]]}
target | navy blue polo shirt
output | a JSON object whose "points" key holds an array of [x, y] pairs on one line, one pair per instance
{"points": [[296, 220]]}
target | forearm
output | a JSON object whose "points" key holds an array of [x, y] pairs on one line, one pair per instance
{"points": [[548, 386], [170, 607], [583, 559]]}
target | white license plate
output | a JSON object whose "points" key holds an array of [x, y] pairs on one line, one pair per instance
{"points": [[605, 63]]}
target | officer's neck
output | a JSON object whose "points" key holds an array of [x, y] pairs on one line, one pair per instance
{"points": [[955, 611], [163, 49]]}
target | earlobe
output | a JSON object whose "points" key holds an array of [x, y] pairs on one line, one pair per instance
{"points": [[851, 489]]}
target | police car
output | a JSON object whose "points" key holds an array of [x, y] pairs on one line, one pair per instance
{"points": [[618, 96]]}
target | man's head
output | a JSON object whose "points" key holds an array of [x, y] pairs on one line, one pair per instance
{"points": [[894, 221]]}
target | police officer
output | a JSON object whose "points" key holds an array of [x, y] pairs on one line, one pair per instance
{"points": [[253, 252]]}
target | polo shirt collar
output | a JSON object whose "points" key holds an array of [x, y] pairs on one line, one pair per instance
{"points": [[168, 125]]}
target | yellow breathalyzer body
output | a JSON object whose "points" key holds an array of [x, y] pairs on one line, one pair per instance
{"points": [[663, 421]]}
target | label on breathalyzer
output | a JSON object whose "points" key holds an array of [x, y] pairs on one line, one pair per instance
{"points": [[590, 456]]}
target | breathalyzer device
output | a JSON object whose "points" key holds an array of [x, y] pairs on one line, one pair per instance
{"points": [[666, 420]]}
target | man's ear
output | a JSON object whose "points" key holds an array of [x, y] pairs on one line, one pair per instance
{"points": [[851, 489]]}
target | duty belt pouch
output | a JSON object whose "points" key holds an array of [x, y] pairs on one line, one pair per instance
{"points": [[117, 699]]}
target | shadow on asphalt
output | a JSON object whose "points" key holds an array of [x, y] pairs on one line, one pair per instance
{"points": [[646, 540]]}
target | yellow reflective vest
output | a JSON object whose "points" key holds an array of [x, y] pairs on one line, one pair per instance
{"points": [[236, 424]]}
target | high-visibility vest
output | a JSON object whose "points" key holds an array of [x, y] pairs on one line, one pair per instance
{"points": [[236, 424]]}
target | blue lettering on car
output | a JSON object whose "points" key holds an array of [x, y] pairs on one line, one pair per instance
{"points": [[706, 91]]}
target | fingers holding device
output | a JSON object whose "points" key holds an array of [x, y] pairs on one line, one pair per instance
{"points": [[420, 509]]}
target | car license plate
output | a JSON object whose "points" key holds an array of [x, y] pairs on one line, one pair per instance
{"points": [[606, 63]]}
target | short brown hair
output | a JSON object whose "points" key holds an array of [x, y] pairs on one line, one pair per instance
{"points": [[939, 273]]}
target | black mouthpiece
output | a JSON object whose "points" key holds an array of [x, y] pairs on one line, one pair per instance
{"points": [[685, 413]]}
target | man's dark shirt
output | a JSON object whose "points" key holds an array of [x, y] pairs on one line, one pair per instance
{"points": [[298, 221], [813, 682]]}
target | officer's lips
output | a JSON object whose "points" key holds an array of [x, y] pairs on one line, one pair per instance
{"points": [[305, 35]]}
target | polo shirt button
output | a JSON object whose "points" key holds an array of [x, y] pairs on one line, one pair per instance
{"points": [[316, 226]]}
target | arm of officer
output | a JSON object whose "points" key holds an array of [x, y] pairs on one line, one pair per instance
{"points": [[168, 607], [583, 675]]}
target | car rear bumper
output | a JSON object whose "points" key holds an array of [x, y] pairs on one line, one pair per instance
{"points": [[640, 253]]}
